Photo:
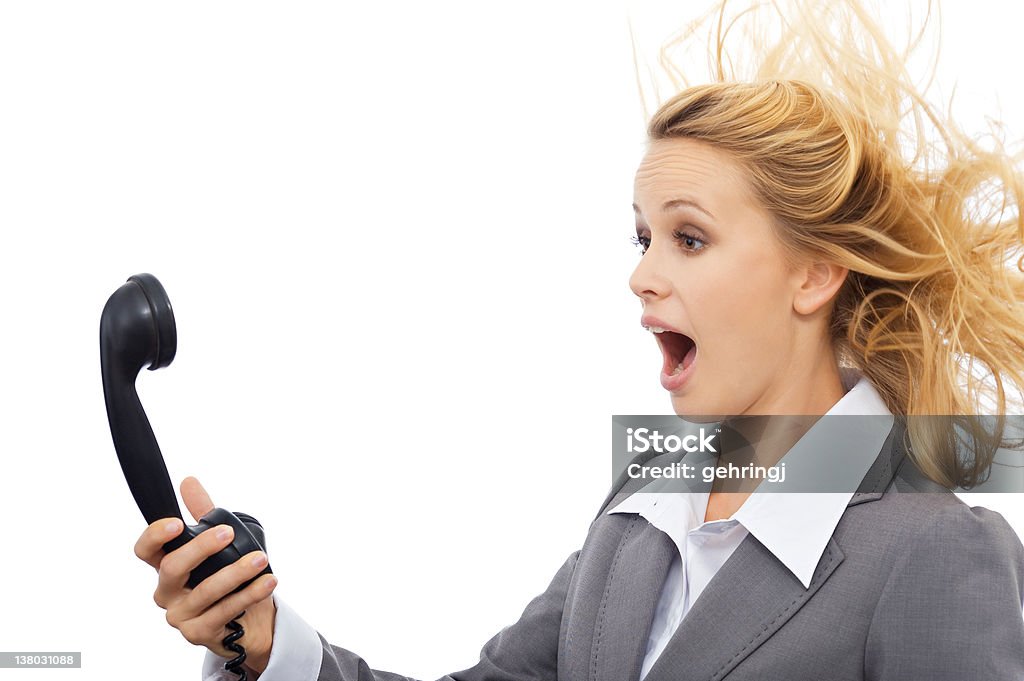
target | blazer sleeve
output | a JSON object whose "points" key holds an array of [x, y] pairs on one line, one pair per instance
{"points": [[524, 651], [953, 606]]}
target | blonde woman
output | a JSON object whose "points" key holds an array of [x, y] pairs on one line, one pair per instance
{"points": [[807, 250]]}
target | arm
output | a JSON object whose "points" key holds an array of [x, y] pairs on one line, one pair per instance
{"points": [[952, 607], [525, 650]]}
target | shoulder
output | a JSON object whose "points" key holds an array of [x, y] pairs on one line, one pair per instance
{"points": [[931, 525], [955, 572], [933, 521], [939, 558], [931, 553], [948, 532]]}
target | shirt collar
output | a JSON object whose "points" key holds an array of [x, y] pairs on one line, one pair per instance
{"points": [[796, 526]]}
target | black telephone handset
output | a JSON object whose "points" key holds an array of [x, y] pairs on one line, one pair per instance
{"points": [[137, 330]]}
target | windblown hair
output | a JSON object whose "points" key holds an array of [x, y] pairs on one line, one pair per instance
{"points": [[859, 169]]}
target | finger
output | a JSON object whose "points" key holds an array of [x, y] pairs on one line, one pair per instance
{"points": [[230, 607], [221, 583], [176, 565], [150, 546], [210, 626], [196, 499]]}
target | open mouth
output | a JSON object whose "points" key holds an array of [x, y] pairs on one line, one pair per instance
{"points": [[679, 350]]}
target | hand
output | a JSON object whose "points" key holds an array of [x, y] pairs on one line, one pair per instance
{"points": [[202, 614]]}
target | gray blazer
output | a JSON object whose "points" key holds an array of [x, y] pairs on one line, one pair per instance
{"points": [[911, 587]]}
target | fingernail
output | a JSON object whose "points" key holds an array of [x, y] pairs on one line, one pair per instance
{"points": [[224, 533], [172, 527], [259, 560], [271, 583]]}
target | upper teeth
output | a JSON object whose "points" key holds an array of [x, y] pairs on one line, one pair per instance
{"points": [[656, 329]]}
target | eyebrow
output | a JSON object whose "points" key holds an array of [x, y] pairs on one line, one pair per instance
{"points": [[676, 203]]}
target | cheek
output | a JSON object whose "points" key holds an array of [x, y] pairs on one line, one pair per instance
{"points": [[755, 276], [744, 306]]}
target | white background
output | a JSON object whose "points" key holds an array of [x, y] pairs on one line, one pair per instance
{"points": [[396, 237]]}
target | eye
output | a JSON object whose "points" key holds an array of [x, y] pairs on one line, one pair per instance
{"points": [[642, 242], [689, 241]]}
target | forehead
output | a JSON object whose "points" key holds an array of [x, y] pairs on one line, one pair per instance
{"points": [[686, 168]]}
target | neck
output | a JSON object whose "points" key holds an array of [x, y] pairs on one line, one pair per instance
{"points": [[762, 438]]}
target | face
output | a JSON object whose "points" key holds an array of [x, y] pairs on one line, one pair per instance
{"points": [[715, 287]]}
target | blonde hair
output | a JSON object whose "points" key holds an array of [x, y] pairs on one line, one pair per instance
{"points": [[859, 169]]}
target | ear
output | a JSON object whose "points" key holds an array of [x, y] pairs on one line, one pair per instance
{"points": [[817, 283]]}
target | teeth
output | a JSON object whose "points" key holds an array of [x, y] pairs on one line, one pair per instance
{"points": [[679, 368], [656, 329]]}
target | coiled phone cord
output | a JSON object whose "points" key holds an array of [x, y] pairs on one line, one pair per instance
{"points": [[235, 664]]}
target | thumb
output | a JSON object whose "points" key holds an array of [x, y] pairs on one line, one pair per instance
{"points": [[195, 497]]}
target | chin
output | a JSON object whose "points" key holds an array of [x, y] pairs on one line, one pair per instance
{"points": [[690, 410]]}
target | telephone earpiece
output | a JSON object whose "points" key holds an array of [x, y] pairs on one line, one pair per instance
{"points": [[137, 330]]}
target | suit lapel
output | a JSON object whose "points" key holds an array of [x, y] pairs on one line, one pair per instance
{"points": [[754, 594], [750, 597], [627, 606]]}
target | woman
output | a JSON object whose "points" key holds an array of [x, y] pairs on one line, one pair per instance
{"points": [[802, 255]]}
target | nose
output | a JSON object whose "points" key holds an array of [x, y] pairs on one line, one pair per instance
{"points": [[647, 282]]}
